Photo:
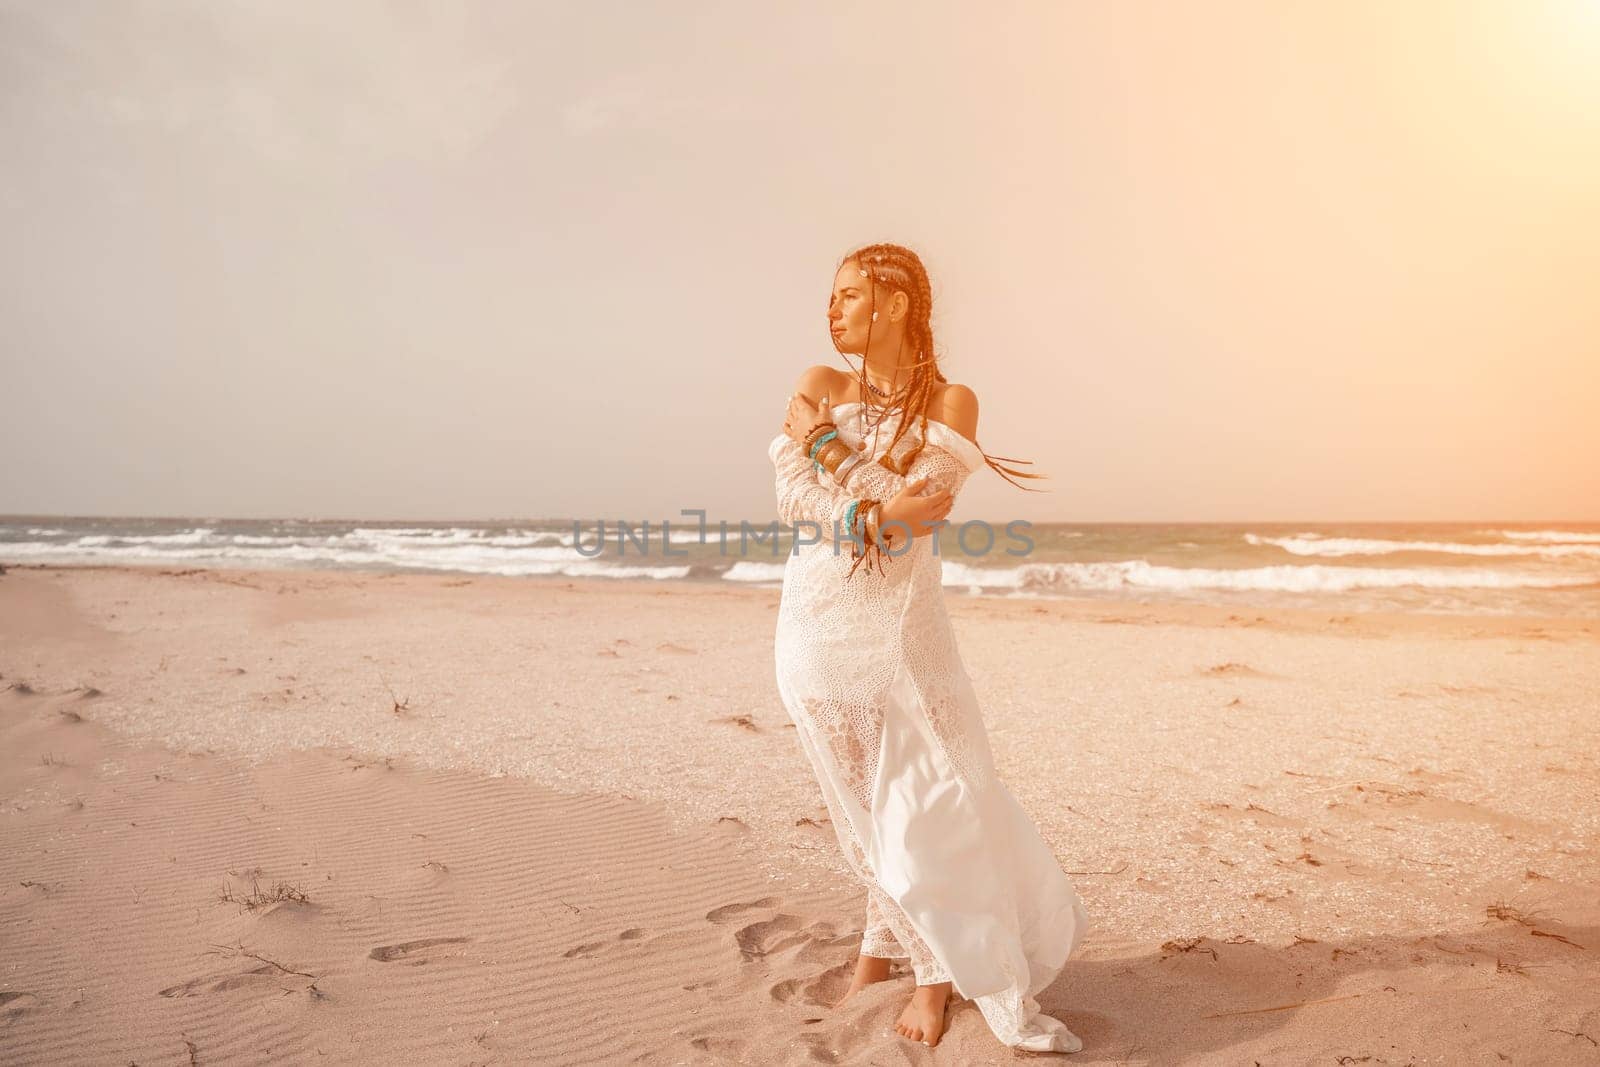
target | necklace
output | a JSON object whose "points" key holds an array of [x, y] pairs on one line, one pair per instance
{"points": [[872, 415]]}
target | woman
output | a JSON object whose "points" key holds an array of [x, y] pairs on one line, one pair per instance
{"points": [[958, 879]]}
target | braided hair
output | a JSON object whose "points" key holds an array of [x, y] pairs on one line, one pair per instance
{"points": [[895, 267]]}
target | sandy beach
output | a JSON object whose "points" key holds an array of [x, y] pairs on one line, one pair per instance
{"points": [[298, 816]]}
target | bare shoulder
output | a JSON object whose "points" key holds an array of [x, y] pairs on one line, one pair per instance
{"points": [[957, 408], [821, 380]]}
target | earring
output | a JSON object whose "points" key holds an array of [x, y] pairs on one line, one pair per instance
{"points": [[874, 316]]}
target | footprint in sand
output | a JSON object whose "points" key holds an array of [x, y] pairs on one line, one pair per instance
{"points": [[590, 949], [218, 983], [729, 826], [722, 1047], [817, 942], [728, 911], [1423, 774], [819, 990], [1368, 796], [785, 990], [769, 935], [1233, 670], [15, 1003], [414, 953], [839, 1047]]}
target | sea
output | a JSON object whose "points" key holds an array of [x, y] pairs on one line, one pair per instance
{"points": [[1547, 569]]}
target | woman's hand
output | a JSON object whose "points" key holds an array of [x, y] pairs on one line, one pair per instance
{"points": [[803, 416], [915, 510]]}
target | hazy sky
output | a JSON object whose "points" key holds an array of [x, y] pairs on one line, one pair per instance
{"points": [[1200, 261]]}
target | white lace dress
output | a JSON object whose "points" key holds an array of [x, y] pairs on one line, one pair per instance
{"points": [[958, 878]]}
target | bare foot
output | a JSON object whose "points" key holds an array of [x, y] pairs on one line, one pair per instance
{"points": [[869, 969], [923, 1019]]}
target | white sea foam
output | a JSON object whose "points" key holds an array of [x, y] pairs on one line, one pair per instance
{"points": [[1363, 546], [1294, 578], [434, 538], [968, 576], [750, 571], [480, 556], [188, 537], [1550, 536]]}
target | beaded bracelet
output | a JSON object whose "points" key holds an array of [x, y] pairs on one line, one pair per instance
{"points": [[858, 524], [816, 431], [868, 551], [819, 442]]}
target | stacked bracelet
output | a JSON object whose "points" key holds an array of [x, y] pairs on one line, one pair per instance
{"points": [[832, 453], [825, 450], [841, 473], [867, 546], [820, 441], [874, 517], [816, 434], [860, 522]]}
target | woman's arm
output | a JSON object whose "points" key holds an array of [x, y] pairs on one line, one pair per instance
{"points": [[802, 496], [805, 493]]}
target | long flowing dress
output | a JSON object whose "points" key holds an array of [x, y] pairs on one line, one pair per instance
{"points": [[958, 878]]}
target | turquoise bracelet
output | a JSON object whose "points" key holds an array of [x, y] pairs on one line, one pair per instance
{"points": [[824, 439], [850, 517]]}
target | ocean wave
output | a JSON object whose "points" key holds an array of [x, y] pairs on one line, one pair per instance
{"points": [[1363, 546], [1529, 560], [188, 537], [750, 571], [471, 558], [1139, 574], [359, 538], [1550, 536], [968, 576], [680, 532], [456, 536]]}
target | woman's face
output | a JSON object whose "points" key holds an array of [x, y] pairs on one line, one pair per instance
{"points": [[850, 309]]}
